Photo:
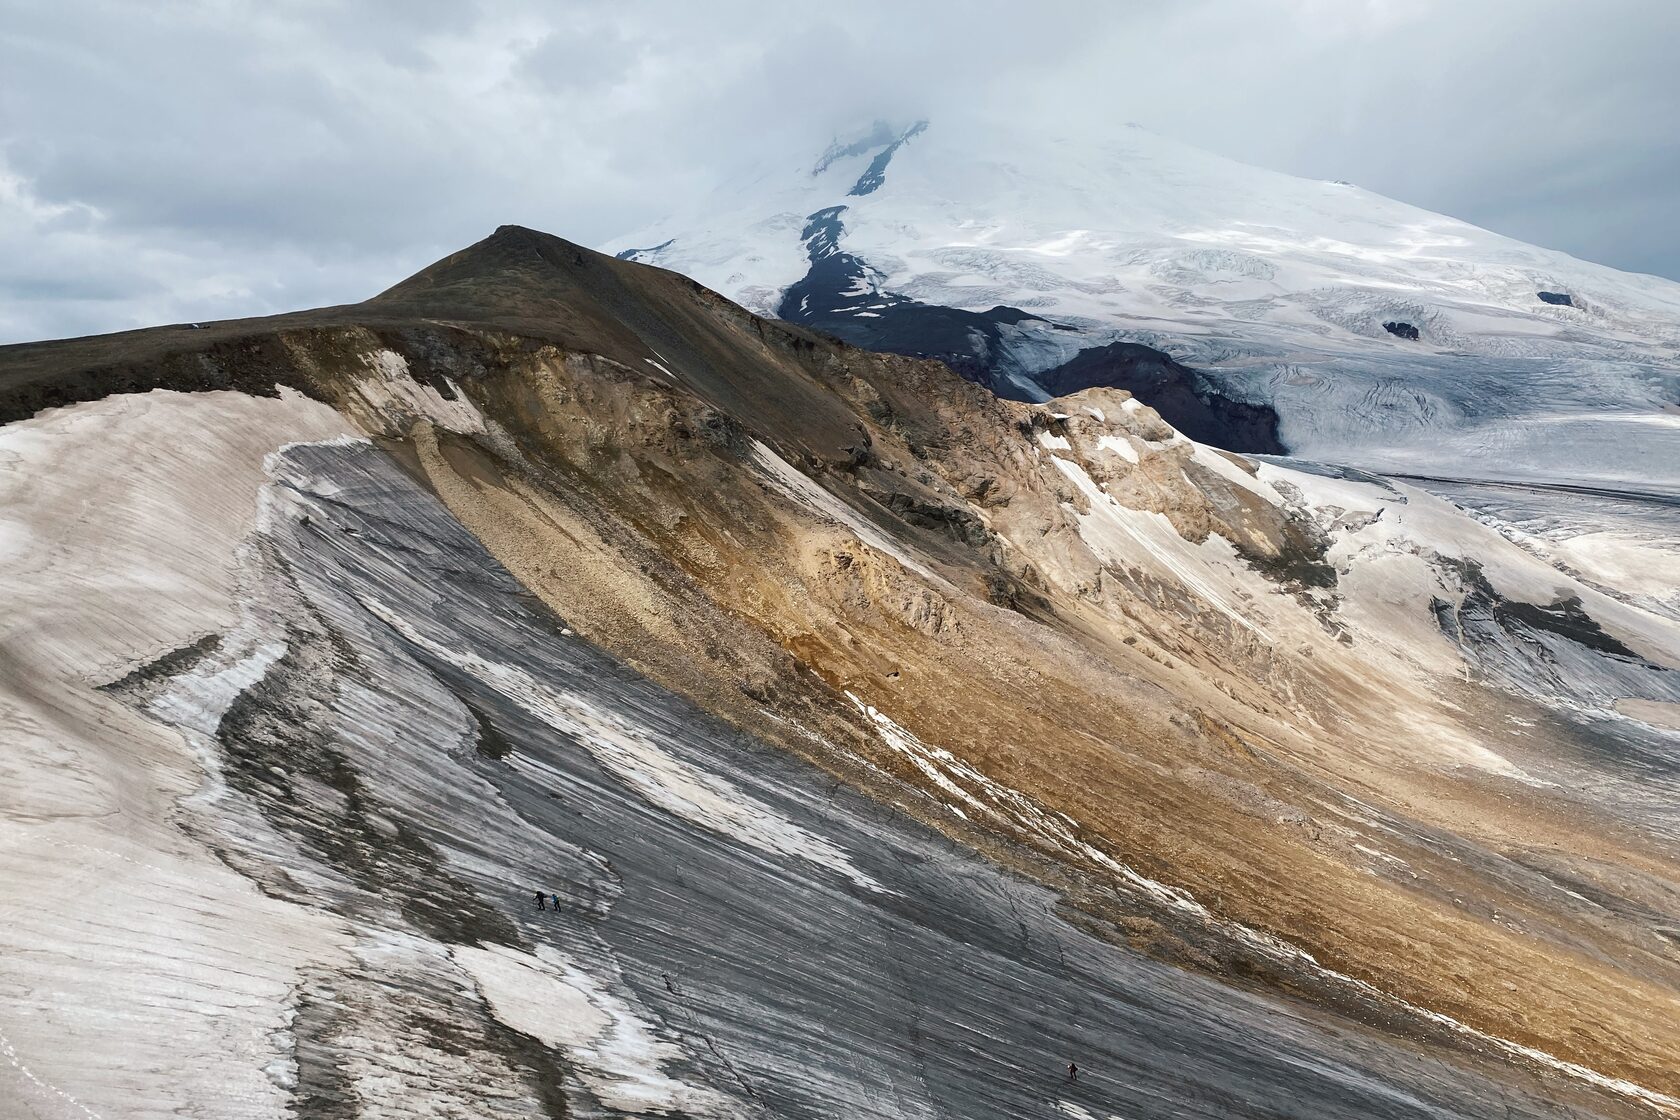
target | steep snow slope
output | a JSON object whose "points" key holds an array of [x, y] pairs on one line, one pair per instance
{"points": [[1526, 362]]}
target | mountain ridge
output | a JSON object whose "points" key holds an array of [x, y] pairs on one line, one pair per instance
{"points": [[906, 697]]}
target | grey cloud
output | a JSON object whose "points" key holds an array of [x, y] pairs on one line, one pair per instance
{"points": [[199, 160]]}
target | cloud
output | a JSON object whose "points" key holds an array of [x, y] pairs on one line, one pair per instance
{"points": [[228, 157]]}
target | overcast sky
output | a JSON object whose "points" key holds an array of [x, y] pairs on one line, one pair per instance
{"points": [[178, 160]]}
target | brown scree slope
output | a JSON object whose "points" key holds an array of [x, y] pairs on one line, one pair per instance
{"points": [[823, 546]]}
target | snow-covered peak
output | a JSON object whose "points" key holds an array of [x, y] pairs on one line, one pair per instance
{"points": [[1383, 334]]}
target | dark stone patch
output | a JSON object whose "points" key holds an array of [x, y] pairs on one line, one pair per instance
{"points": [[1557, 299], [1007, 590], [967, 341], [490, 742], [1482, 606], [879, 133], [1184, 397], [1401, 329], [329, 1007], [1446, 617], [1557, 872], [1003, 313], [1300, 562], [956, 522], [1565, 618], [172, 664], [636, 254], [838, 296], [545, 1071], [876, 173], [250, 363], [324, 1090]]}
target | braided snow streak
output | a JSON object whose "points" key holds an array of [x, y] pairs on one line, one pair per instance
{"points": [[636, 760]]}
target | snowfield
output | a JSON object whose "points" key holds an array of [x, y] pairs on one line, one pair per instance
{"points": [[1276, 287]]}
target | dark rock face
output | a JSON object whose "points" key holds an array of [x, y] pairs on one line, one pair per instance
{"points": [[1401, 330], [1557, 299], [838, 297], [636, 254], [1558, 644], [880, 133], [1180, 394], [876, 173]]}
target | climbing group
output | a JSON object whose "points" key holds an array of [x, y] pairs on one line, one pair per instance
{"points": [[541, 898]]}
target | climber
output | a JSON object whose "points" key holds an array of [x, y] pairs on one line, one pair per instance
{"points": [[556, 899], [1073, 1072], [540, 905]]}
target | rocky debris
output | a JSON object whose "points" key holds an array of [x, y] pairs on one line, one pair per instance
{"points": [[1557, 299], [1107, 634], [1402, 330]]}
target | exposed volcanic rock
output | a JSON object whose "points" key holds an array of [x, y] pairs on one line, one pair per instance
{"points": [[837, 298], [1557, 299], [1182, 397], [1402, 330], [547, 568], [840, 297], [876, 173]]}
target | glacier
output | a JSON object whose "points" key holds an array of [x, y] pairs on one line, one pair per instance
{"points": [[1528, 364]]}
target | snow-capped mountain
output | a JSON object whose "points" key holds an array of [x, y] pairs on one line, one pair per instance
{"points": [[1381, 334]]}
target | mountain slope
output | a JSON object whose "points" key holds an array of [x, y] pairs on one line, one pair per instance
{"points": [[888, 744], [1382, 335]]}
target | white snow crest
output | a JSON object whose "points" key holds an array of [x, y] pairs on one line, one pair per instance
{"points": [[793, 483]]}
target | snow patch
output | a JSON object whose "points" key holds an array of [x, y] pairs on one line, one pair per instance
{"points": [[615, 1051], [794, 484], [1120, 445], [394, 396], [1223, 467], [1119, 533]]}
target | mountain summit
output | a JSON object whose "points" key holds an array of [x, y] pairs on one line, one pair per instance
{"points": [[1381, 334]]}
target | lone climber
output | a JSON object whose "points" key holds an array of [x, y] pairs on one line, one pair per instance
{"points": [[1073, 1072]]}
